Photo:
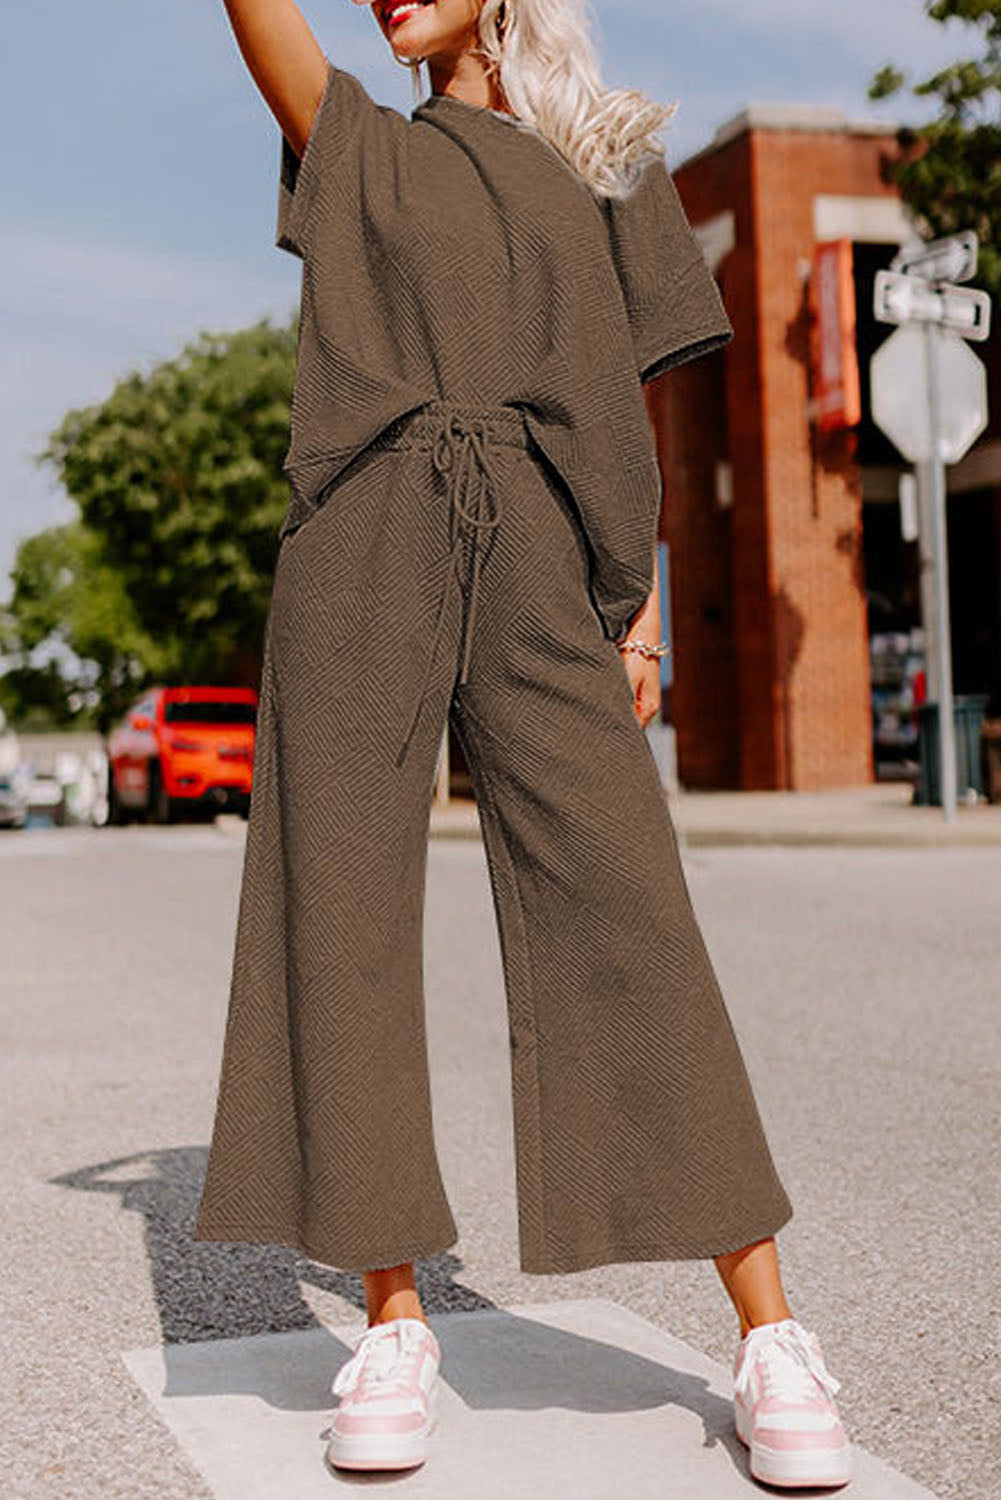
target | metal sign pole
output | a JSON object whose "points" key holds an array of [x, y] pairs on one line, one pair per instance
{"points": [[926, 574], [939, 429], [943, 635]]}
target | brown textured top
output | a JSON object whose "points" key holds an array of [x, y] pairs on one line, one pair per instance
{"points": [[457, 254]]}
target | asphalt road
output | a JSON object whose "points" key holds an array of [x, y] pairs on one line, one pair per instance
{"points": [[864, 985]]}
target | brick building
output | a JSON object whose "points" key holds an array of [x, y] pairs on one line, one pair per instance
{"points": [[785, 547]]}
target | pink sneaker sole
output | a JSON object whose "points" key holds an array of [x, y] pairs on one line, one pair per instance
{"points": [[806, 1470], [383, 1450]]}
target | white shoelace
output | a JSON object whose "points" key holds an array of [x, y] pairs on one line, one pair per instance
{"points": [[378, 1355], [790, 1366]]}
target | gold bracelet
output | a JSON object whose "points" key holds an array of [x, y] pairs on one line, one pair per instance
{"points": [[645, 648]]}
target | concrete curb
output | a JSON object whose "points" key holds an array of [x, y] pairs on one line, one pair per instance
{"points": [[878, 816]]}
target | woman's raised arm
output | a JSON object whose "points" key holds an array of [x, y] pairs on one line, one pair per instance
{"points": [[285, 59]]}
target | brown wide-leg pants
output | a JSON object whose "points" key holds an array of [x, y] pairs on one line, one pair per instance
{"points": [[446, 575]]}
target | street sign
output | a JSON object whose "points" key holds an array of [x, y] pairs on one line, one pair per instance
{"points": [[900, 375], [909, 299], [953, 258], [929, 395]]}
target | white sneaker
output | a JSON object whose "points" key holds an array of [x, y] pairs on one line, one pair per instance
{"points": [[388, 1391], [784, 1407]]}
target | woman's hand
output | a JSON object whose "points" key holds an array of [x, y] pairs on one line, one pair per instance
{"points": [[644, 677], [644, 671]]}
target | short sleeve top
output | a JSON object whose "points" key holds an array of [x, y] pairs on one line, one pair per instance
{"points": [[457, 254]]}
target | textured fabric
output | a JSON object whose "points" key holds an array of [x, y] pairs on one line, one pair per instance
{"points": [[636, 1132], [458, 254]]}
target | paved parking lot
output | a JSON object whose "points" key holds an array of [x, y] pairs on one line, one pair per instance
{"points": [[864, 985]]}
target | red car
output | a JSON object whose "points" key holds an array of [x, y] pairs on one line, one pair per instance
{"points": [[182, 748]]}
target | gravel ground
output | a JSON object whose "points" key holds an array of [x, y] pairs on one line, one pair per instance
{"points": [[863, 984]]}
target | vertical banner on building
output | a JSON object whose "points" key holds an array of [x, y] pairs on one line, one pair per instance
{"points": [[834, 358]]}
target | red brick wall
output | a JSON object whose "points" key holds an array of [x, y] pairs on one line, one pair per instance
{"points": [[789, 670], [704, 708]]}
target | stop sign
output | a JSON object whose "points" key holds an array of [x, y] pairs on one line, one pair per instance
{"points": [[899, 377]]}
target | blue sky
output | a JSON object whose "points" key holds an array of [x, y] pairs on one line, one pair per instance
{"points": [[139, 194]]}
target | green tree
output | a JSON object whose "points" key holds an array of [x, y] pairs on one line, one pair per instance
{"points": [[949, 169], [76, 653], [178, 474]]}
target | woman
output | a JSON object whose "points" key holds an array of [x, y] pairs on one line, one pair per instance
{"points": [[488, 287]]}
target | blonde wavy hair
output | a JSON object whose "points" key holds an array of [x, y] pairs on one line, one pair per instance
{"points": [[542, 53]]}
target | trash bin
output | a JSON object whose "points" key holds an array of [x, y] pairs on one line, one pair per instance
{"points": [[968, 710], [990, 738]]}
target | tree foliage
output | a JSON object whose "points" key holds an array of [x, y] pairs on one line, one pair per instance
{"points": [[178, 474], [76, 652], [949, 169]]}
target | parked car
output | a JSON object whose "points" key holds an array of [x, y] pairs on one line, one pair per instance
{"points": [[47, 798], [182, 749], [14, 779], [13, 801], [84, 777]]}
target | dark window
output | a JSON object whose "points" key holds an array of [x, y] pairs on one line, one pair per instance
{"points": [[874, 447], [207, 712]]}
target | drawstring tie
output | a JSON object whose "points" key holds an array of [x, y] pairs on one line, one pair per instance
{"points": [[455, 449]]}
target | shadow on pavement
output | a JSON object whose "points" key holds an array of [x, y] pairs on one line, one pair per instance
{"points": [[493, 1362], [206, 1290]]}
